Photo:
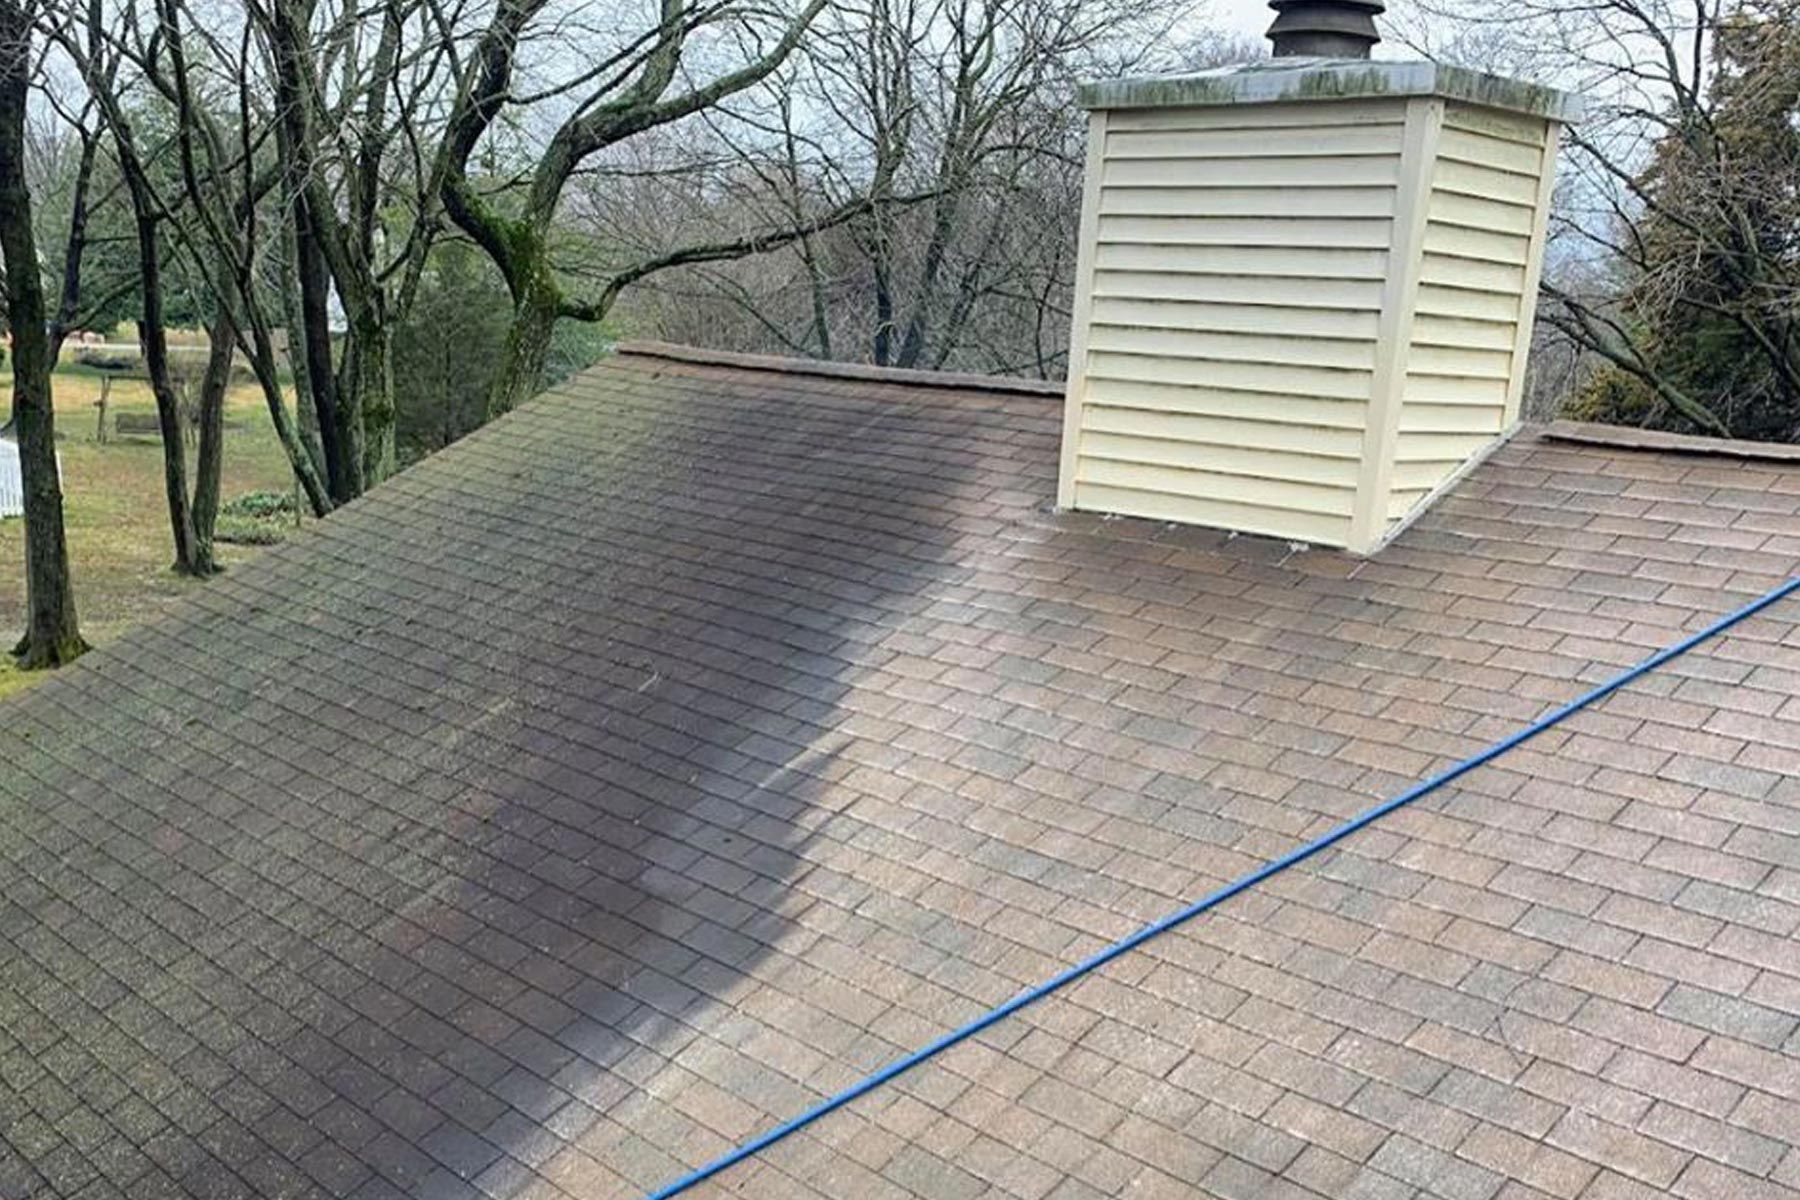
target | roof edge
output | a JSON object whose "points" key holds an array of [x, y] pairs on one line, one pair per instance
{"points": [[1625, 437], [961, 380], [1281, 80]]}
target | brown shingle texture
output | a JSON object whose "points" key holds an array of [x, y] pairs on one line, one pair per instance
{"points": [[677, 749]]}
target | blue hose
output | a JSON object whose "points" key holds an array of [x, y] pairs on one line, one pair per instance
{"points": [[1241, 884]]}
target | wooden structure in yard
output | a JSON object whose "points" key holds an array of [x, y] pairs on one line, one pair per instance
{"points": [[1305, 291], [134, 424]]}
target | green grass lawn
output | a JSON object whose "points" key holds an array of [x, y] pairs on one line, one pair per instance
{"points": [[117, 519]]}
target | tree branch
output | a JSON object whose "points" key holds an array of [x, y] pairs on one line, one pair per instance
{"points": [[706, 252]]}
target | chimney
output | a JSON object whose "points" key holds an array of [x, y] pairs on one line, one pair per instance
{"points": [[1305, 286]]}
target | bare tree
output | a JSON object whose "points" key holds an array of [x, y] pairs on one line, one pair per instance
{"points": [[219, 139], [640, 85], [1677, 207], [351, 87], [965, 106], [86, 135], [298, 128], [86, 41]]}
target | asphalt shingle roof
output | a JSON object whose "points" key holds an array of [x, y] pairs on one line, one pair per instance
{"points": [[702, 736]]}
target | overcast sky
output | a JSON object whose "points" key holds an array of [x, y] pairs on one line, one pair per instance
{"points": [[1246, 17], [1251, 18]]}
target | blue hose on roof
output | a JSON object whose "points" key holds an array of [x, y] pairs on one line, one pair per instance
{"points": [[1242, 884]]}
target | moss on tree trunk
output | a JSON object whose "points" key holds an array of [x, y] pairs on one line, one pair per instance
{"points": [[371, 378], [535, 309]]}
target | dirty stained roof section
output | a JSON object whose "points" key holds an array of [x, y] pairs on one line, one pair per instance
{"points": [[709, 732]]}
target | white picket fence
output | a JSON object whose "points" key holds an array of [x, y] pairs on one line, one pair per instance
{"points": [[12, 485]]}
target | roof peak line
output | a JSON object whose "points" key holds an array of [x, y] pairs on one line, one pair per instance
{"points": [[1629, 437], [859, 372]]}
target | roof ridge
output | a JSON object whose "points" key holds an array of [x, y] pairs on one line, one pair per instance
{"points": [[962, 380], [1627, 437]]}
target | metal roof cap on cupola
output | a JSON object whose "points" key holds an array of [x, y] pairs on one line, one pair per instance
{"points": [[1305, 286]]}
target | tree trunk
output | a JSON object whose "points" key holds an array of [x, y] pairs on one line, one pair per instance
{"points": [[882, 352], [294, 329], [210, 455], [340, 433], [815, 280], [52, 634], [339, 414], [945, 214], [371, 373], [153, 339], [521, 365], [260, 346], [68, 306]]}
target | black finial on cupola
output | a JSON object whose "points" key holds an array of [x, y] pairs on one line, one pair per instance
{"points": [[1324, 28]]}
